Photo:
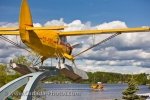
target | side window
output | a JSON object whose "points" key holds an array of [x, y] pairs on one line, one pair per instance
{"points": [[64, 39]]}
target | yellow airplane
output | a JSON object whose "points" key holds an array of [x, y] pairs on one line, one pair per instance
{"points": [[51, 42]]}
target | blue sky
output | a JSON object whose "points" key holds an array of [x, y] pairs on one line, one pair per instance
{"points": [[133, 12]]}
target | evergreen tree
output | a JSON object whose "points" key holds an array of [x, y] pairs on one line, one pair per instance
{"points": [[129, 93]]}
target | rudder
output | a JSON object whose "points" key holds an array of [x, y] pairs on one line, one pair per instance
{"points": [[25, 18]]}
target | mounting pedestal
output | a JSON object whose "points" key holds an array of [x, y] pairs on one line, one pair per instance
{"points": [[30, 80]]}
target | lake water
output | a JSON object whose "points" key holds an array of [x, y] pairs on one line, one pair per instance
{"points": [[83, 92]]}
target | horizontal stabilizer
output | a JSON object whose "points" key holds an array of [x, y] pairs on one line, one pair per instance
{"points": [[9, 31], [46, 28]]}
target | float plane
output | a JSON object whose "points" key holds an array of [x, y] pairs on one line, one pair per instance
{"points": [[51, 42]]}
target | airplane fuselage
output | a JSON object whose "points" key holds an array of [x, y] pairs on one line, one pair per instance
{"points": [[46, 43]]}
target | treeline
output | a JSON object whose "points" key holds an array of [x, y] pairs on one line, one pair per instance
{"points": [[107, 77]]}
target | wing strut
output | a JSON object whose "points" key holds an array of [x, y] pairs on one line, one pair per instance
{"points": [[13, 43], [112, 36]]}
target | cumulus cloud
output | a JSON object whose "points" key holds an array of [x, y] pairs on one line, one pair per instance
{"points": [[6, 24], [112, 25], [127, 53], [55, 23]]}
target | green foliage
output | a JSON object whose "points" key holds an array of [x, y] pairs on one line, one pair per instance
{"points": [[141, 79], [4, 78], [129, 93], [3, 75], [58, 79], [107, 77], [22, 60]]}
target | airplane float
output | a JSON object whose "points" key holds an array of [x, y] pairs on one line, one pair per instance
{"points": [[51, 42]]}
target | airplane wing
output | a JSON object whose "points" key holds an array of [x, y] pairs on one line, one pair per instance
{"points": [[104, 31], [15, 31], [9, 31]]}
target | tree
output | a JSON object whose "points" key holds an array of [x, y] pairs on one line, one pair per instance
{"points": [[129, 93], [3, 75], [22, 60]]}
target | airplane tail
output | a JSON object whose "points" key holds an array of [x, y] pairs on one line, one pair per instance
{"points": [[25, 19]]}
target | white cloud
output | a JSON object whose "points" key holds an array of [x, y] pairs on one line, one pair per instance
{"points": [[78, 25], [37, 25], [127, 53], [112, 25], [55, 22], [6, 24]]}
